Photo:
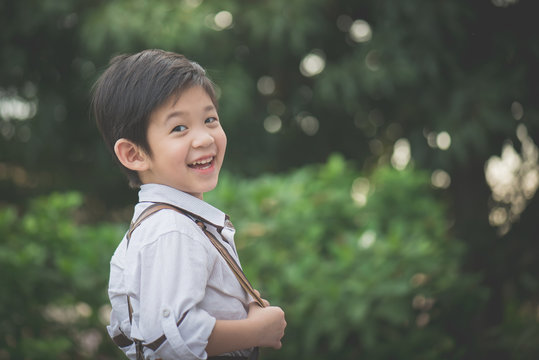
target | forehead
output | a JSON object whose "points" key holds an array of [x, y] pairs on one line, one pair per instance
{"points": [[191, 95], [190, 100]]}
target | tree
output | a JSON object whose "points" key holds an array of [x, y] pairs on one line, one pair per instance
{"points": [[451, 81]]}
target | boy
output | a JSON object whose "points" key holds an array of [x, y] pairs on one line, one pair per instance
{"points": [[169, 286]]}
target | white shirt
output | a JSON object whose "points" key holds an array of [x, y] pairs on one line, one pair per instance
{"points": [[171, 269]]}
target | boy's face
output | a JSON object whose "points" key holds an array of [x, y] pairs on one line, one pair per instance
{"points": [[187, 143]]}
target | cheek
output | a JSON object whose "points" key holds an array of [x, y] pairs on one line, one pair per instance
{"points": [[223, 141], [173, 152]]}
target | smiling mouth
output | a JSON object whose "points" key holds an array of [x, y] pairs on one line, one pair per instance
{"points": [[202, 164]]}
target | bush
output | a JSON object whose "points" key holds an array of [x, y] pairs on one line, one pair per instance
{"points": [[362, 267], [54, 281]]}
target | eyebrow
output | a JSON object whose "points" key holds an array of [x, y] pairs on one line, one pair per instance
{"points": [[182, 113]]}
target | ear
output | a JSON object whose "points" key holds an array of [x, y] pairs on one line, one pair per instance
{"points": [[131, 155]]}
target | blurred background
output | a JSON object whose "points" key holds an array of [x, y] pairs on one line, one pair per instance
{"points": [[381, 171]]}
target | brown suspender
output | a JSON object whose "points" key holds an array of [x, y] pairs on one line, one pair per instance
{"points": [[240, 275], [123, 340]]}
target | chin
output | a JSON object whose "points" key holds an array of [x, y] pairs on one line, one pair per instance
{"points": [[207, 188], [210, 188]]}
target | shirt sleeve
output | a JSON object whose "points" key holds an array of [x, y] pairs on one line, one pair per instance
{"points": [[173, 273]]}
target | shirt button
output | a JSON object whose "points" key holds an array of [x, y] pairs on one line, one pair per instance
{"points": [[166, 313]]}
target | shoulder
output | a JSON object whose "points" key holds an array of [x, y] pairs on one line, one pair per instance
{"points": [[166, 223]]}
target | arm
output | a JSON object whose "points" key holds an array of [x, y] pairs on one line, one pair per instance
{"points": [[262, 327], [173, 271]]}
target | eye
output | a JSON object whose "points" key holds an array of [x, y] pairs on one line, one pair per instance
{"points": [[179, 128], [210, 120]]}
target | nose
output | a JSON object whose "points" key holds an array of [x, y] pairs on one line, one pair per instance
{"points": [[202, 138]]}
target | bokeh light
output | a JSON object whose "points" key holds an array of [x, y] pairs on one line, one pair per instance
{"points": [[313, 63], [431, 139], [360, 31], [418, 279], [360, 190], [272, 124], [401, 154], [367, 239], [309, 124], [443, 140], [517, 110], [16, 108], [440, 179], [372, 60], [513, 179], [223, 19], [266, 85]]}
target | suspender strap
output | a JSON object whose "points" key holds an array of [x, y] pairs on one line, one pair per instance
{"points": [[122, 340], [149, 211], [236, 269], [240, 275]]}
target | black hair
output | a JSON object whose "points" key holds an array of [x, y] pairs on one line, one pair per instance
{"points": [[133, 87]]}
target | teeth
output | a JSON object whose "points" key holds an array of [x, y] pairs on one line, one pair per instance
{"points": [[202, 162]]}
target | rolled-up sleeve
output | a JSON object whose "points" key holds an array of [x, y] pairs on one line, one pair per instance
{"points": [[173, 273], [188, 341]]}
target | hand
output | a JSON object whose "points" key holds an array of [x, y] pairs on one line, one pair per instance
{"points": [[270, 323], [266, 302]]}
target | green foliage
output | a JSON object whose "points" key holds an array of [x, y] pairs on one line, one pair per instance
{"points": [[54, 280], [377, 280], [363, 267], [440, 71]]}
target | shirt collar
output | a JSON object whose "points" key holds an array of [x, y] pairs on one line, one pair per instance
{"points": [[169, 195]]}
